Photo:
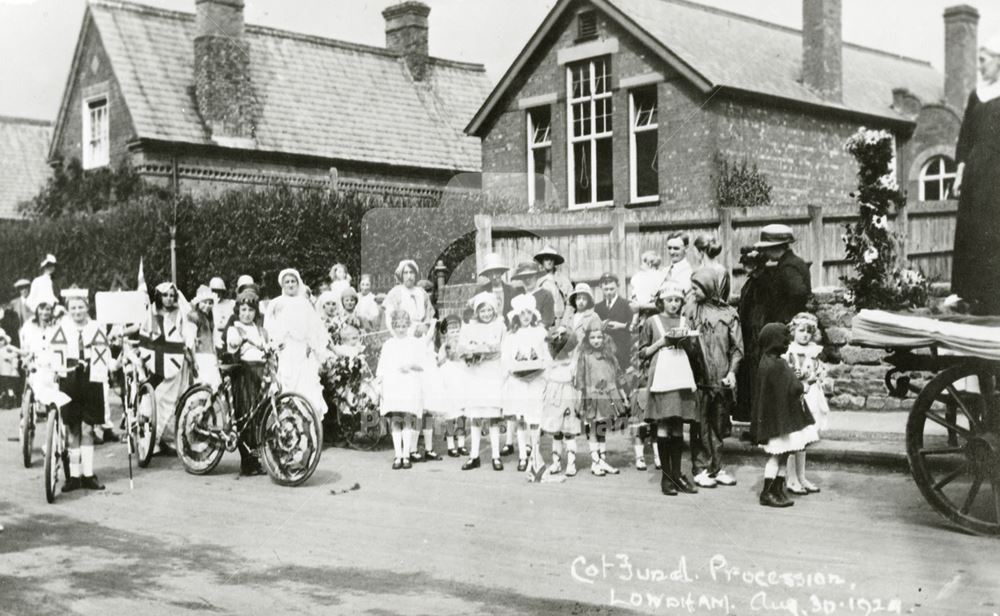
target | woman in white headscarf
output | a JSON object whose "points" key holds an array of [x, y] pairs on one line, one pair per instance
{"points": [[295, 328], [409, 297]]}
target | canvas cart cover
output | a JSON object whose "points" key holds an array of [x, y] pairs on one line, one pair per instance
{"points": [[963, 335]]}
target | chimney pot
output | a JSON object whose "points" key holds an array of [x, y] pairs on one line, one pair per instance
{"points": [[223, 90], [822, 55], [961, 51], [406, 34]]}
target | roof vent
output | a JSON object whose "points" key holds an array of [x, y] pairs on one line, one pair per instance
{"points": [[586, 24]]}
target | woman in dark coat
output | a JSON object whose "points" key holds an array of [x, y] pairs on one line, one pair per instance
{"points": [[975, 274], [752, 314]]}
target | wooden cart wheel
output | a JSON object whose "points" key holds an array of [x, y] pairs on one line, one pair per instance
{"points": [[953, 445]]}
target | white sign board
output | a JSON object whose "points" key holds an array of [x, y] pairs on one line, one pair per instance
{"points": [[121, 307]]}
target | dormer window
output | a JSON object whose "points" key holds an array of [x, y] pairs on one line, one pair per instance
{"points": [[96, 139], [586, 25]]}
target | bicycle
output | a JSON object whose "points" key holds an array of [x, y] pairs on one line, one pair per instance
{"points": [[138, 409], [30, 409], [289, 435], [56, 452]]}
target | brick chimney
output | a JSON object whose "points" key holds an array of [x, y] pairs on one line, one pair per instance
{"points": [[406, 34], [961, 51], [822, 56], [222, 84]]}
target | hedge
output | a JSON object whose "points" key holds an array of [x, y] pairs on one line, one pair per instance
{"points": [[256, 232]]}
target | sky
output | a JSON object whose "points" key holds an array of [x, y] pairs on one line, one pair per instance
{"points": [[37, 37]]}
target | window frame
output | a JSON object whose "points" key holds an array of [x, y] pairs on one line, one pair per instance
{"points": [[942, 177], [532, 146], [593, 136], [633, 170], [89, 158]]}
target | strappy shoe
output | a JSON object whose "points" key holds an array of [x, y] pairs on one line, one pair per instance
{"points": [[810, 487], [453, 453], [463, 451], [431, 456], [407, 464], [522, 465], [497, 464], [640, 464], [397, 464]]}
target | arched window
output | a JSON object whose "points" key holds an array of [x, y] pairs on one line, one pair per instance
{"points": [[937, 178]]}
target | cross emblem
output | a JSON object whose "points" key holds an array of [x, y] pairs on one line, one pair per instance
{"points": [[99, 348], [164, 352]]}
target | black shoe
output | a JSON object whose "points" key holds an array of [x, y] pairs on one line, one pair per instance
{"points": [[397, 464], [667, 485], [407, 464], [453, 453], [252, 468], [91, 483], [506, 450], [109, 436], [72, 483], [778, 490], [522, 465], [470, 464], [497, 464], [685, 485], [463, 451], [431, 456], [416, 457], [769, 499]]}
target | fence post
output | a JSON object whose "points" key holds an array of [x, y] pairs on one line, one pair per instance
{"points": [[484, 239], [818, 268], [727, 237], [618, 251], [903, 228]]}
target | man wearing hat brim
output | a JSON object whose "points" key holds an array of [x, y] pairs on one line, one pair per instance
{"points": [[528, 273], [17, 310], [560, 288], [787, 285], [493, 270]]}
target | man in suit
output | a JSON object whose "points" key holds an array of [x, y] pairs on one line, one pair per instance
{"points": [[786, 279], [17, 311], [616, 315], [493, 271], [528, 273]]}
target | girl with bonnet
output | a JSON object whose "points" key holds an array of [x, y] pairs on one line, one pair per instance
{"points": [[803, 356], [295, 329], [479, 345], [525, 357], [401, 362]]}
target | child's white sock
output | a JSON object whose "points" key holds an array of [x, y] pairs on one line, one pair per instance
{"points": [[557, 450], [428, 439], [461, 440], [409, 441], [475, 437], [74, 462], [87, 460], [595, 454], [570, 444], [495, 440], [449, 442], [397, 442], [639, 451], [522, 444], [511, 429], [656, 456]]}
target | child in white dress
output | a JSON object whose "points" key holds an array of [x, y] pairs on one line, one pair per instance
{"points": [[525, 357], [560, 407], [450, 369], [479, 345], [399, 366], [803, 356]]}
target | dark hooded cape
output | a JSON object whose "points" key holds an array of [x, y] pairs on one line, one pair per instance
{"points": [[777, 395]]}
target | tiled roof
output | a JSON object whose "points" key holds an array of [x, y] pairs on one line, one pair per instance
{"points": [[719, 49], [741, 52], [23, 169], [320, 97]]}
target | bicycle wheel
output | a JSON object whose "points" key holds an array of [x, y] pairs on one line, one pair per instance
{"points": [[291, 440], [53, 455], [27, 436], [200, 444], [144, 426], [364, 430]]}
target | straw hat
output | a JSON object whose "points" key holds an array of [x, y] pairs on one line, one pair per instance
{"points": [[244, 281], [775, 235], [217, 284], [21, 283], [526, 269], [549, 253], [582, 288]]}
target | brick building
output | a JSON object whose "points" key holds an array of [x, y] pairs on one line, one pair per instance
{"points": [[630, 103], [23, 170], [208, 102]]}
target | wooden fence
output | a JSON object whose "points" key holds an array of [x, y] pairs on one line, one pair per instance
{"points": [[611, 240]]}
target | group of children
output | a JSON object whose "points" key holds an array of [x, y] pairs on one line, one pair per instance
{"points": [[480, 372]]}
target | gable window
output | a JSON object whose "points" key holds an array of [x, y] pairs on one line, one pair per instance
{"points": [[95, 133], [588, 87], [937, 179], [643, 158], [539, 153]]}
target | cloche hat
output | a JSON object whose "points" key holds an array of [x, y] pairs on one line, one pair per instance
{"points": [[775, 235]]}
